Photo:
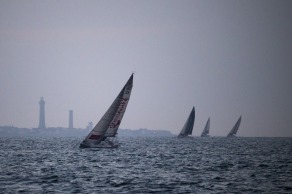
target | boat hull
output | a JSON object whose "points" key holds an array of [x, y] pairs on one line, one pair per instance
{"points": [[185, 136], [98, 146]]}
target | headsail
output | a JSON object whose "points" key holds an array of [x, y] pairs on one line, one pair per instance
{"points": [[234, 130], [111, 119], [188, 126], [205, 132]]}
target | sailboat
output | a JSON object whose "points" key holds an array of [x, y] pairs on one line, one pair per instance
{"points": [[188, 126], [101, 136], [205, 132], [234, 130]]}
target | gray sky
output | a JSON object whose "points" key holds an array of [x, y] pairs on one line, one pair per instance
{"points": [[226, 58]]}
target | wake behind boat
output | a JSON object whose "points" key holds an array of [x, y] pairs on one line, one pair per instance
{"points": [[188, 126], [234, 130], [104, 132], [205, 132]]}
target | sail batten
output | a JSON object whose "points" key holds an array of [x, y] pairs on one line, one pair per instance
{"points": [[109, 123]]}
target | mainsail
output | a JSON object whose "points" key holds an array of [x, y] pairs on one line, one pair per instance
{"points": [[109, 123], [205, 132], [188, 126], [234, 130]]}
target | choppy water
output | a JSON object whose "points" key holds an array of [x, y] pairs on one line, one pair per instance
{"points": [[147, 165]]}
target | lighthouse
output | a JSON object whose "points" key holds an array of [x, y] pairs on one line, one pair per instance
{"points": [[42, 124]]}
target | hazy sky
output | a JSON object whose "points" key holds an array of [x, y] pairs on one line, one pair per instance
{"points": [[226, 58]]}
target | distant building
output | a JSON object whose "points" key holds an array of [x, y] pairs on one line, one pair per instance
{"points": [[89, 126], [70, 119], [42, 124]]}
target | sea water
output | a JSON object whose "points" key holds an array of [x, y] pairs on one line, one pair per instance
{"points": [[147, 165]]}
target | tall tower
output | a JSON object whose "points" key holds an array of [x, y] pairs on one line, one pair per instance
{"points": [[70, 119], [42, 124]]}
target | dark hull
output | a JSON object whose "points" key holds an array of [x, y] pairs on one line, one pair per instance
{"points": [[82, 145]]}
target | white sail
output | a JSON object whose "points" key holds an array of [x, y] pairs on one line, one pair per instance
{"points": [[234, 130], [188, 126], [205, 132], [110, 120]]}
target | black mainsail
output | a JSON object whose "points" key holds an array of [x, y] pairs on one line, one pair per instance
{"points": [[205, 132], [188, 126], [109, 123], [234, 130]]}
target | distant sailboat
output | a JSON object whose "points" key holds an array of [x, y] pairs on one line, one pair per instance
{"points": [[188, 126], [205, 132], [108, 125], [234, 130]]}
